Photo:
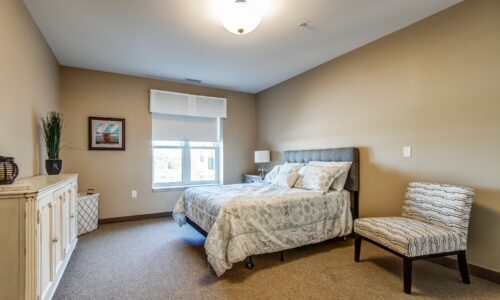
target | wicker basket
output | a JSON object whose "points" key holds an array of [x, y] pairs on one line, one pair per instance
{"points": [[88, 212]]}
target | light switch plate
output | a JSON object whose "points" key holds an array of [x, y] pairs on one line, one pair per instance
{"points": [[134, 194], [406, 151]]}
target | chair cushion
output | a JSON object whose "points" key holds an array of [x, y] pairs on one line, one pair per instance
{"points": [[409, 237], [444, 205]]}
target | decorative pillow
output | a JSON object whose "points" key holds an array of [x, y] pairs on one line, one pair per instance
{"points": [[285, 179], [339, 183], [318, 178], [270, 176]]}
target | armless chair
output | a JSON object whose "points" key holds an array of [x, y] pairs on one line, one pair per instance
{"points": [[434, 222]]}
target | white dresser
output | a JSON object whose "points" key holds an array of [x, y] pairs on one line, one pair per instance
{"points": [[37, 235]]}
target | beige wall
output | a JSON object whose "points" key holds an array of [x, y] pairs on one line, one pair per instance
{"points": [[114, 174], [435, 86], [28, 85]]}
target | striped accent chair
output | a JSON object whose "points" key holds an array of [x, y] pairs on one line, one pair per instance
{"points": [[434, 222]]}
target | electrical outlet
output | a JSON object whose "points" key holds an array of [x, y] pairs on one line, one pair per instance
{"points": [[406, 151], [134, 194]]}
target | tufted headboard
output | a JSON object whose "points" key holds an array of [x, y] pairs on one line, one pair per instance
{"points": [[335, 154]]}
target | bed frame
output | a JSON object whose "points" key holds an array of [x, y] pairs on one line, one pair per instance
{"points": [[305, 156]]}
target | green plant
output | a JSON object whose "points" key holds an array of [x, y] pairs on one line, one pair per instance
{"points": [[52, 129]]}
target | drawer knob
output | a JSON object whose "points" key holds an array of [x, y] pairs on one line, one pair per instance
{"points": [[72, 216], [55, 240]]}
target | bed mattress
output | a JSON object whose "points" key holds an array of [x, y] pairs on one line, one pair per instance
{"points": [[250, 219]]}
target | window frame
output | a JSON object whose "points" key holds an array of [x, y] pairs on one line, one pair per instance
{"points": [[186, 165]]}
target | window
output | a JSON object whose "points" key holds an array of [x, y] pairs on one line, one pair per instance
{"points": [[186, 151], [186, 139], [167, 162], [182, 163], [202, 161]]}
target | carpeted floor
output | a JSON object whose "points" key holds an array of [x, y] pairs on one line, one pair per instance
{"points": [[156, 259]]}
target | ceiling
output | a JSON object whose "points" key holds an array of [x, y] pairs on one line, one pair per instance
{"points": [[175, 40]]}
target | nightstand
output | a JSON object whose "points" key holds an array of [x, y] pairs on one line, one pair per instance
{"points": [[246, 178]]}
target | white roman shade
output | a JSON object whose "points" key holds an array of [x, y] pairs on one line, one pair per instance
{"points": [[184, 128], [178, 104]]}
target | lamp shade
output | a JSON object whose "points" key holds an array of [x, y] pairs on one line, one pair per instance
{"points": [[262, 156]]}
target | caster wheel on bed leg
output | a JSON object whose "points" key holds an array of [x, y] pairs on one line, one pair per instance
{"points": [[250, 264]]}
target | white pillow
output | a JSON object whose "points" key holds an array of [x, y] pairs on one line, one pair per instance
{"points": [[285, 179], [287, 174], [318, 178], [270, 176], [339, 183], [291, 167]]}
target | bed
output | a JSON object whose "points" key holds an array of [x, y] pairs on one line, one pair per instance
{"points": [[241, 220]]}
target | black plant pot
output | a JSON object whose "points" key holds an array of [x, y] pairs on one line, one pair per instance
{"points": [[53, 166]]}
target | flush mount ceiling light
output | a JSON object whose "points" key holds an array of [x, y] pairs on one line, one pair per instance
{"points": [[240, 16]]}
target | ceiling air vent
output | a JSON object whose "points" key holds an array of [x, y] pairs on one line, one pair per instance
{"points": [[191, 80]]}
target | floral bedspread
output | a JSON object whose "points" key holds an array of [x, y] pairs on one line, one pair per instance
{"points": [[250, 219]]}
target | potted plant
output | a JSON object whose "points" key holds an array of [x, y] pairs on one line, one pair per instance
{"points": [[52, 130]]}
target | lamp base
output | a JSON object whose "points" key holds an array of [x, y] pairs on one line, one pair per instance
{"points": [[262, 171]]}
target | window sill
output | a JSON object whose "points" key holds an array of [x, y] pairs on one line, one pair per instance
{"points": [[181, 187]]}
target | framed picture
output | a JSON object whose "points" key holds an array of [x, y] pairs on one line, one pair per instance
{"points": [[106, 133]]}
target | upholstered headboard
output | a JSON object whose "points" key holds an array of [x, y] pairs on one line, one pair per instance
{"points": [[338, 154], [335, 154]]}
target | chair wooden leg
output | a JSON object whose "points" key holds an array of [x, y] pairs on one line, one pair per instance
{"points": [[407, 262], [357, 247], [462, 266]]}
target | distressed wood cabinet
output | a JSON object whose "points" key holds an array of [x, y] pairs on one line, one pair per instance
{"points": [[37, 235]]}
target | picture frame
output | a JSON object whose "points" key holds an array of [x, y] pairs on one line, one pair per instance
{"points": [[106, 133]]}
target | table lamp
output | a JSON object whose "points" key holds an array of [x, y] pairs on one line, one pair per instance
{"points": [[262, 157]]}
